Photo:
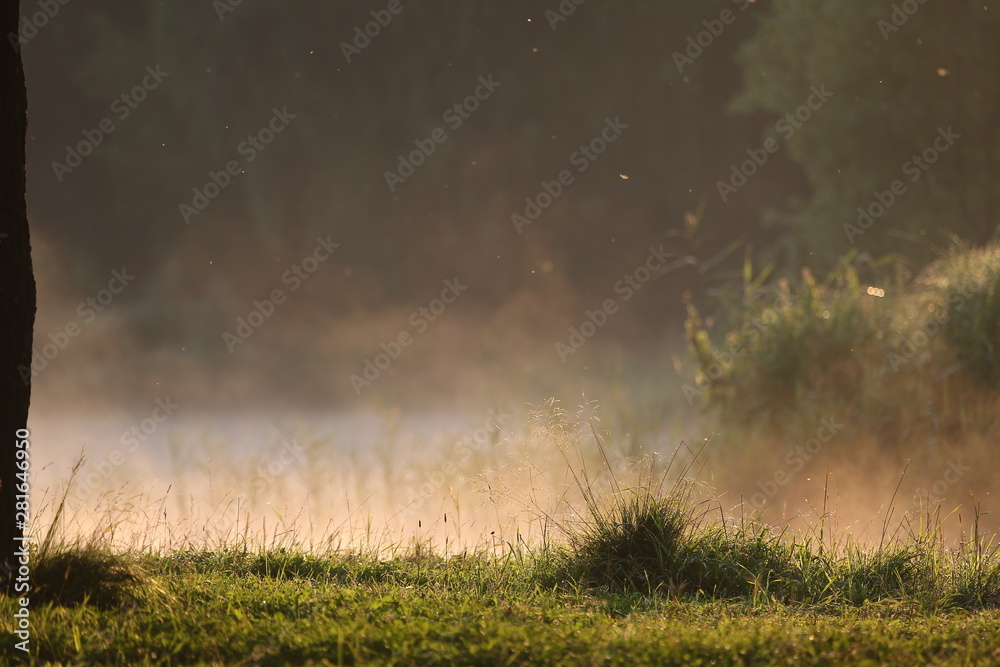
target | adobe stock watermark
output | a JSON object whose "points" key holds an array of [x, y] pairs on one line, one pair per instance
{"points": [[786, 127], [454, 116], [121, 108], [87, 310], [915, 167], [562, 12], [28, 27], [654, 266], [795, 460], [931, 326], [95, 474], [248, 149], [363, 35], [461, 451], [934, 494], [581, 158], [696, 44], [289, 453], [20, 570], [420, 320], [901, 13], [919, 339], [295, 276], [225, 7]]}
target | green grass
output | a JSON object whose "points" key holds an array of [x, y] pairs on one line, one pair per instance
{"points": [[285, 607], [639, 574]]}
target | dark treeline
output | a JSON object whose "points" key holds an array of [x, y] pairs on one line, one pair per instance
{"points": [[206, 147], [326, 173]]}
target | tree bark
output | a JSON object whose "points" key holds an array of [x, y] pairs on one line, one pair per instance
{"points": [[17, 281]]}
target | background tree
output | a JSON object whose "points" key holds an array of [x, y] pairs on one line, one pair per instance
{"points": [[326, 174], [354, 119], [17, 283], [900, 74]]}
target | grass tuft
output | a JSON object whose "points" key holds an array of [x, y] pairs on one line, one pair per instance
{"points": [[70, 576], [633, 543]]}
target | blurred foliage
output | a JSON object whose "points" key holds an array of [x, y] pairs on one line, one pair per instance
{"points": [[964, 301], [325, 176], [898, 74], [326, 173], [792, 346], [793, 355]]}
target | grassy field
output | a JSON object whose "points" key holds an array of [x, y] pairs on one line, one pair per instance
{"points": [[285, 608], [640, 573], [549, 607], [571, 542]]}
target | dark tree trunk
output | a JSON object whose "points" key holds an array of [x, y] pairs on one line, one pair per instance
{"points": [[17, 282]]}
